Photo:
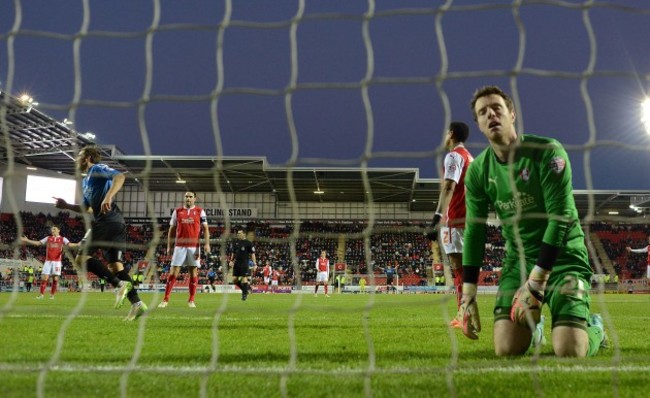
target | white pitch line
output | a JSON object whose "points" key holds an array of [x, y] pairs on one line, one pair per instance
{"points": [[120, 315], [340, 371]]}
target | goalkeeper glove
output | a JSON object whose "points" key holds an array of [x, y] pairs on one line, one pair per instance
{"points": [[528, 301], [468, 312], [432, 233]]}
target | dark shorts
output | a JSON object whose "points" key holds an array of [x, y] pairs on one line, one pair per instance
{"points": [[108, 237], [241, 270]]}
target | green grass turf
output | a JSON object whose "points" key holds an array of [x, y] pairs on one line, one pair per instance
{"points": [[297, 346]]}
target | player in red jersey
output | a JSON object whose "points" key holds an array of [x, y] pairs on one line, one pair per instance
{"points": [[266, 272], [275, 280], [53, 258], [186, 224], [322, 272], [451, 204]]}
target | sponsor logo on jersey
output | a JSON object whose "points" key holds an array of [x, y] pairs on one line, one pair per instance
{"points": [[524, 175], [523, 201]]}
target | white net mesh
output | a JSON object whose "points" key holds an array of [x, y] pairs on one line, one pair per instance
{"points": [[358, 75]]}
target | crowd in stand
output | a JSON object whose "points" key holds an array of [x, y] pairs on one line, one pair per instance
{"points": [[615, 237], [399, 245]]}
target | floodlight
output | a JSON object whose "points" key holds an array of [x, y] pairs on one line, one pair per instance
{"points": [[645, 114], [90, 136]]}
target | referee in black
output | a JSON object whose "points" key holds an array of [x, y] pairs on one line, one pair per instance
{"points": [[242, 250]]}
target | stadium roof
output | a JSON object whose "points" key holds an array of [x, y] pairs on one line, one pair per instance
{"points": [[37, 140], [239, 175]]}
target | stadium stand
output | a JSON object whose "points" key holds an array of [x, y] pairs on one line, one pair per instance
{"points": [[408, 251]]}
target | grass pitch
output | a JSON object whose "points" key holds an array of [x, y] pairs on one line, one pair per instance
{"points": [[298, 346]]}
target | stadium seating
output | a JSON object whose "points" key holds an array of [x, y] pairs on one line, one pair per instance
{"points": [[394, 243]]}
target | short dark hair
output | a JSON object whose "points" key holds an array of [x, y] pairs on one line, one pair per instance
{"points": [[490, 90], [459, 130], [93, 152]]}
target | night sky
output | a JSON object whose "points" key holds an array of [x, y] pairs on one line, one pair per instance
{"points": [[410, 80]]}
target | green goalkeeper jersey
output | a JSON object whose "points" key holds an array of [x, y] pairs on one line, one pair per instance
{"points": [[533, 199]]}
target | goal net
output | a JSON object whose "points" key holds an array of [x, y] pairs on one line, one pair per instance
{"points": [[339, 85]]}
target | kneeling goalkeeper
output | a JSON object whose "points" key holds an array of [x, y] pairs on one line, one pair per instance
{"points": [[527, 180]]}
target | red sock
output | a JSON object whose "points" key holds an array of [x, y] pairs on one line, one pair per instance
{"points": [[171, 280], [458, 282], [55, 283], [325, 285], [43, 286], [193, 283]]}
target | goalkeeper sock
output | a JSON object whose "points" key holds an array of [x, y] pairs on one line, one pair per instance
{"points": [[98, 268], [595, 338], [596, 334]]}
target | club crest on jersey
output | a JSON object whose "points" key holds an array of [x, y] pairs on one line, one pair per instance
{"points": [[557, 164], [524, 175]]}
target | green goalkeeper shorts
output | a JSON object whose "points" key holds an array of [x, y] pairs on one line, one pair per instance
{"points": [[567, 295]]}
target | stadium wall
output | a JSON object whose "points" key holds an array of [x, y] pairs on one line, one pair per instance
{"points": [[264, 206], [133, 201]]}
